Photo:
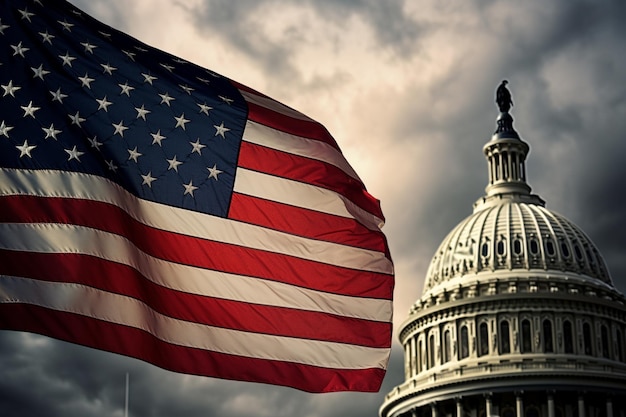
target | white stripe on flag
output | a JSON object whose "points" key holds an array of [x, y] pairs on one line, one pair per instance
{"points": [[48, 183], [274, 105], [113, 308], [270, 138], [60, 238], [302, 195]]}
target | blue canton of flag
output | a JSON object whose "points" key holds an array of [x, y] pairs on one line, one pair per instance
{"points": [[164, 129]]}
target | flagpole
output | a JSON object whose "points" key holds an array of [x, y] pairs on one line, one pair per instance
{"points": [[126, 398]]}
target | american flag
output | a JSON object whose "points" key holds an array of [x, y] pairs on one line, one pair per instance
{"points": [[153, 208]]}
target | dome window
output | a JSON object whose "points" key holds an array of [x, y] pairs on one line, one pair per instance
{"points": [[501, 249], [464, 351], [517, 247], [534, 246], [565, 250], [484, 250], [484, 339], [578, 252], [568, 337], [532, 412], [548, 346], [550, 247], [604, 336], [587, 339], [505, 338], [526, 337], [508, 412], [620, 355]]}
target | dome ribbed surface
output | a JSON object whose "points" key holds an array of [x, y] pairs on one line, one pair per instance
{"points": [[515, 236]]}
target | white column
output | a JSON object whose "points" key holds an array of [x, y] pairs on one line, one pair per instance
{"points": [[407, 361], [488, 405], [519, 405], [550, 405], [433, 410], [505, 168], [514, 166], [459, 408], [413, 357], [581, 406], [609, 407]]}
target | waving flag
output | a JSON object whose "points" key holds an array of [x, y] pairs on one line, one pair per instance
{"points": [[153, 208]]}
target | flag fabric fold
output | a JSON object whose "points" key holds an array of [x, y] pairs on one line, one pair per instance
{"points": [[153, 208]]}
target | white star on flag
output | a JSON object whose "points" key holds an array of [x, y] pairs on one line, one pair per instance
{"points": [[74, 153], [25, 149], [214, 172], [221, 130]]}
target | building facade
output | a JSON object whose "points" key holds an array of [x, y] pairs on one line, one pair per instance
{"points": [[519, 316]]}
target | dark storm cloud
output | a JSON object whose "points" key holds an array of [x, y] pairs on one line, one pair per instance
{"points": [[241, 24], [575, 114], [538, 50], [393, 27], [44, 377], [388, 19], [237, 23], [598, 195]]}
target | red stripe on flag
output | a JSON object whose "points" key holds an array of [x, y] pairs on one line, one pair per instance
{"points": [[308, 223], [122, 279], [296, 126], [311, 171], [142, 345], [195, 251], [284, 123]]}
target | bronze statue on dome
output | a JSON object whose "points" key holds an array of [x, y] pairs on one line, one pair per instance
{"points": [[503, 97]]}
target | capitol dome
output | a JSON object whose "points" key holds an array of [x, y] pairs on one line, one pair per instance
{"points": [[514, 236], [519, 316]]}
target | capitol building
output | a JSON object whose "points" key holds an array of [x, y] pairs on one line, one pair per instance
{"points": [[519, 316]]}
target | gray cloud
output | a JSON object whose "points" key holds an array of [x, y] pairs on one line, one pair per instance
{"points": [[241, 24], [393, 27]]}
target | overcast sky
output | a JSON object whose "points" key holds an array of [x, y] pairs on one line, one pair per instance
{"points": [[407, 90]]}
